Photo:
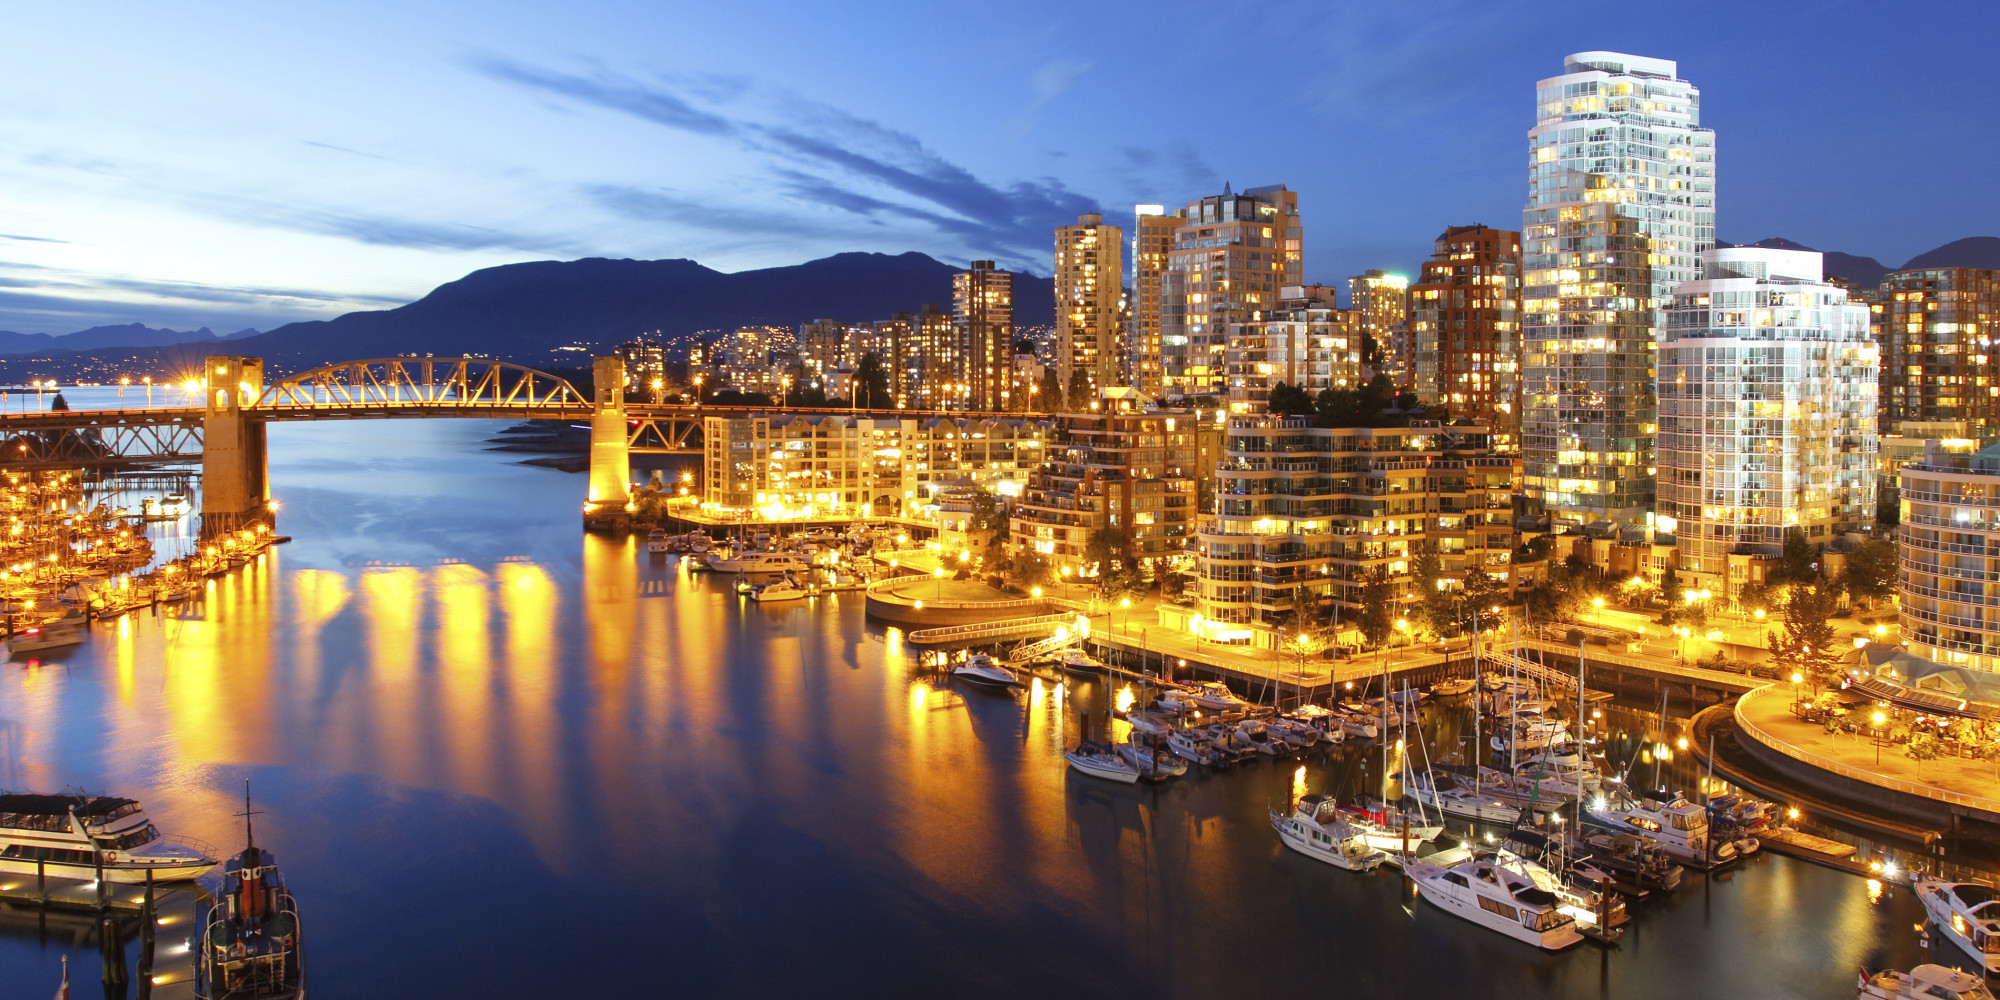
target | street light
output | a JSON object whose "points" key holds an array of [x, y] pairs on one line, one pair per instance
{"points": [[1879, 719]]}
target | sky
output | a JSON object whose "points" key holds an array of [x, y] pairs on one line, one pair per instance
{"points": [[249, 164]]}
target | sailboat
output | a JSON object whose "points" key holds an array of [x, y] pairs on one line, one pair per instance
{"points": [[250, 943]]}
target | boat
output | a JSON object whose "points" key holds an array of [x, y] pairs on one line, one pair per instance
{"points": [[1175, 701], [1488, 803], [1967, 914], [782, 589], [80, 836], [251, 946], [1637, 865], [1680, 827], [1561, 768], [1390, 827], [1453, 687], [175, 505], [1357, 724], [1298, 734], [1486, 894], [697, 542], [1586, 894], [755, 562], [1316, 829], [1077, 661], [1154, 762], [1224, 737], [1925, 982], [1100, 761], [657, 543], [980, 668], [1157, 726], [1195, 748], [1529, 734], [1215, 696], [1259, 737], [57, 634]]}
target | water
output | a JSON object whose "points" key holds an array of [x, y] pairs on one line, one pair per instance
{"points": [[502, 759]]}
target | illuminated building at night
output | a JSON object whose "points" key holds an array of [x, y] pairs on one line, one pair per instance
{"points": [[1124, 466], [1089, 277], [1381, 301], [1305, 340], [1231, 254], [1465, 322], [982, 304], [1152, 241], [1940, 334]]}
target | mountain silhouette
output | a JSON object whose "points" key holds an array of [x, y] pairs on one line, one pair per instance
{"points": [[125, 335]]}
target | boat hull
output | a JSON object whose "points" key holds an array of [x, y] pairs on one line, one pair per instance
{"points": [[1298, 836], [121, 873], [1936, 897], [1098, 767]]}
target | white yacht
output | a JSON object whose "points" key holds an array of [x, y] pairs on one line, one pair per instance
{"points": [[1260, 738], [1967, 914], [657, 543], [1155, 763], [1680, 826], [1453, 688], [70, 835], [1216, 697], [1078, 661], [1100, 761], [48, 635], [1925, 982], [756, 562], [1530, 734], [982, 669], [1157, 726], [1317, 830], [1195, 748], [1390, 828], [1497, 899], [1562, 768], [1358, 724], [782, 589], [1298, 734]]}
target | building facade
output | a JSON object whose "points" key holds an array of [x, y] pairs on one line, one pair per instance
{"points": [[1382, 301], [833, 465], [1767, 394], [645, 366], [1305, 514], [982, 309], [1940, 361], [1125, 466], [1231, 254], [936, 366], [1465, 320], [1949, 552], [1305, 340], [1089, 286], [1152, 240], [1621, 204]]}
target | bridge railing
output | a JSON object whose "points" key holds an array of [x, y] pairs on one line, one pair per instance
{"points": [[481, 383]]}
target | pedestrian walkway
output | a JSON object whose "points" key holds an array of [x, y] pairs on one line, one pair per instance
{"points": [[1765, 715]]}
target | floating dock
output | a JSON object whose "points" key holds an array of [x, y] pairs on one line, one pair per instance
{"points": [[118, 910]]}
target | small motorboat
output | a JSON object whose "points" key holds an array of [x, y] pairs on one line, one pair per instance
{"points": [[1453, 688], [1297, 734], [1224, 737], [1076, 661], [784, 589], [1195, 748], [1215, 696], [1157, 726], [58, 634], [657, 543], [1316, 829], [1925, 982], [1637, 865], [980, 668], [1259, 737], [1155, 763], [1100, 761]]}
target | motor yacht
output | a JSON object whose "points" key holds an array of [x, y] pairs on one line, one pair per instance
{"points": [[1195, 748], [1100, 761], [1925, 982], [1486, 894], [1680, 827], [77, 836], [755, 562], [980, 668], [1490, 803], [1967, 914], [657, 543], [1260, 739], [1358, 724], [1587, 895], [1224, 737], [251, 946], [783, 589], [1292, 731], [1215, 696], [1077, 661], [1317, 830], [1154, 761], [58, 634], [1175, 701]]}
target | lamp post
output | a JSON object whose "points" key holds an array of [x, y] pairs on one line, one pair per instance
{"points": [[1879, 719], [939, 574], [1797, 679]]}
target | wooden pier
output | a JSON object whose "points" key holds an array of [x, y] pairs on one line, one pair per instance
{"points": [[115, 913]]}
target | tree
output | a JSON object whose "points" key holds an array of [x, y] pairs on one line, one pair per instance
{"points": [[1108, 551], [1805, 645], [1049, 398], [1798, 562], [1871, 571], [1378, 608], [1079, 390], [1335, 408], [871, 384], [1437, 607], [1483, 593], [1923, 747], [1670, 583], [1290, 400], [1032, 569]]}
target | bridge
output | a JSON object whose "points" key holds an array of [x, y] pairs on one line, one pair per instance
{"points": [[227, 431]]}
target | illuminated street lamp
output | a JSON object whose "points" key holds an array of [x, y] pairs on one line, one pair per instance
{"points": [[1879, 719]]}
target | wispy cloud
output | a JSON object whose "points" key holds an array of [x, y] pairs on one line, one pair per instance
{"points": [[31, 239], [1047, 83], [829, 158], [344, 149]]}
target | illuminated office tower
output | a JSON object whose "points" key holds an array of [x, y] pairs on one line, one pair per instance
{"points": [[1230, 256], [1940, 356], [982, 310], [1382, 300], [1089, 280], [1464, 319], [1621, 204], [1152, 239], [1767, 414]]}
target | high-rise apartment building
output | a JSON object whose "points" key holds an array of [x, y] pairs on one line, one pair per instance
{"points": [[1767, 414], [645, 366], [823, 350], [1621, 204], [1089, 285], [935, 366], [1940, 334], [1382, 300], [1305, 340], [1465, 321], [982, 306], [1230, 256], [1152, 239], [1122, 466]]}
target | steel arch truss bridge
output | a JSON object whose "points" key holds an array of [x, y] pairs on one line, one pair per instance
{"points": [[460, 386], [101, 439]]}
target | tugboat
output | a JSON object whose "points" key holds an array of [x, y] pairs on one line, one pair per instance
{"points": [[250, 946]]}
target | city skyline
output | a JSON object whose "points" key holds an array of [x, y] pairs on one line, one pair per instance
{"points": [[148, 189]]}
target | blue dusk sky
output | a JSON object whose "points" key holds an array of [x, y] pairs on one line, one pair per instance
{"points": [[245, 164]]}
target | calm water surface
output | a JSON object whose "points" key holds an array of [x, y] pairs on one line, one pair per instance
{"points": [[501, 759]]}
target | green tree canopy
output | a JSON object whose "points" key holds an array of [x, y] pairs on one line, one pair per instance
{"points": [[1805, 643]]}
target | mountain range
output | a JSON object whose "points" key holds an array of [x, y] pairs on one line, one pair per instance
{"points": [[525, 311]]}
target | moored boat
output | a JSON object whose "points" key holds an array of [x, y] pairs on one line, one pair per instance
{"points": [[1154, 761], [657, 543], [1482, 892], [1195, 748], [1925, 982], [1453, 688], [1968, 915], [79, 837], [782, 589], [251, 946], [1215, 696], [982, 669], [1680, 827], [1100, 761], [1316, 829], [58, 634]]}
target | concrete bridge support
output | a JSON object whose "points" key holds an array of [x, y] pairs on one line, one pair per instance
{"points": [[235, 467], [610, 453]]}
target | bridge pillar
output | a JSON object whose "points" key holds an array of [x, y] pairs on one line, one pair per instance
{"points": [[235, 468], [610, 456]]}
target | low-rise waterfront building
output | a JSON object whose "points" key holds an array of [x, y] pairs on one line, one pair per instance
{"points": [[783, 465], [1305, 514], [1127, 466]]}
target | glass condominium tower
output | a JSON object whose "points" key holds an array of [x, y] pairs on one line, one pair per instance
{"points": [[1621, 204]]}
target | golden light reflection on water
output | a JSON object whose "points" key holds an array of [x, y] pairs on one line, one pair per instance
{"points": [[530, 602], [392, 604], [464, 657], [1298, 785]]}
